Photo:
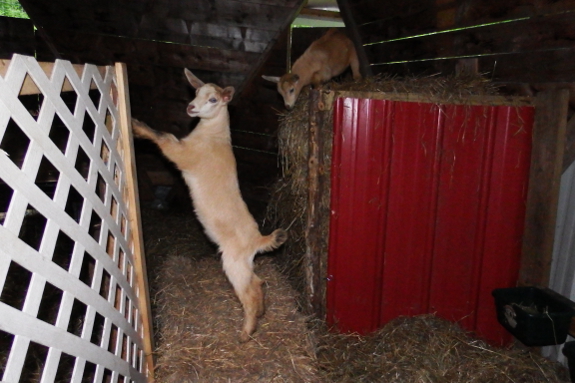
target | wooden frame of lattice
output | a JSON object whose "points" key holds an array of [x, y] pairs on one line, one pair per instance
{"points": [[74, 302]]}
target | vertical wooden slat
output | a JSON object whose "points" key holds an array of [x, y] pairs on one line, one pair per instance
{"points": [[545, 177], [134, 214], [313, 234]]}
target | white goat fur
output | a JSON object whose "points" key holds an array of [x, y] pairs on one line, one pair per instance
{"points": [[208, 166], [324, 59]]}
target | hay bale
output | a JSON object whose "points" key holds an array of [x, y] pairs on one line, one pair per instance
{"points": [[426, 349], [288, 202], [199, 318]]}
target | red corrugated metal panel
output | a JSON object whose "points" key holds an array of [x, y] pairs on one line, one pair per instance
{"points": [[428, 203]]}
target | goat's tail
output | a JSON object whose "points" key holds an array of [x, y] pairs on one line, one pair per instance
{"points": [[272, 241]]}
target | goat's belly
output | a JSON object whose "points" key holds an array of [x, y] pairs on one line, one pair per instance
{"points": [[221, 210]]}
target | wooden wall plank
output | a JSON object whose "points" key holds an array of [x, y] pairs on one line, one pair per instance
{"points": [[546, 32], [103, 49], [531, 67], [180, 22], [367, 12], [528, 67], [544, 180]]}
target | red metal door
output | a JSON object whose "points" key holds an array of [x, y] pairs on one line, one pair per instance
{"points": [[428, 206]]}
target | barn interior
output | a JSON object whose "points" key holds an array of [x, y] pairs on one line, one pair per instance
{"points": [[521, 48]]}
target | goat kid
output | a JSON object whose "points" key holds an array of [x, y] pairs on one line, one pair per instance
{"points": [[208, 166], [324, 59]]}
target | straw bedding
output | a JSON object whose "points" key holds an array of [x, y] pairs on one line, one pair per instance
{"points": [[197, 318]]}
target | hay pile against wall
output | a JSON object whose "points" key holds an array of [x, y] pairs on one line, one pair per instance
{"points": [[427, 349], [289, 200]]}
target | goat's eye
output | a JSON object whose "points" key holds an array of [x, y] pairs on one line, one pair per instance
{"points": [[213, 100], [291, 90]]}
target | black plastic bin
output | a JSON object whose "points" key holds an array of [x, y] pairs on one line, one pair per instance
{"points": [[536, 316]]}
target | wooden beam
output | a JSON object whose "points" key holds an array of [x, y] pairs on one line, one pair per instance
{"points": [[321, 14], [29, 87], [544, 180], [352, 28], [316, 188], [137, 240]]}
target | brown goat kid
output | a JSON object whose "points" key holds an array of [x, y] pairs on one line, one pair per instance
{"points": [[324, 59], [208, 166]]}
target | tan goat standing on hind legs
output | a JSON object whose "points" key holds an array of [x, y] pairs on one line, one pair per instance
{"points": [[208, 166]]}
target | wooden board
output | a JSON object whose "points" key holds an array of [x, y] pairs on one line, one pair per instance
{"points": [[543, 194]]}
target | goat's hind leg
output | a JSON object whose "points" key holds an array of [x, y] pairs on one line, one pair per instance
{"points": [[247, 287], [260, 296]]}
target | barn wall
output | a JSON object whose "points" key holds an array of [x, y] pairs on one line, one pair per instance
{"points": [[429, 36], [159, 96]]}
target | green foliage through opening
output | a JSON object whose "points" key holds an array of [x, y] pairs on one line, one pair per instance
{"points": [[12, 8]]}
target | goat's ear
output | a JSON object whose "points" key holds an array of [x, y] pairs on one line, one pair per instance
{"points": [[271, 78], [295, 78], [228, 94], [194, 81]]}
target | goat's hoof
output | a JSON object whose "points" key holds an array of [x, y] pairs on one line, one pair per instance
{"points": [[244, 337], [261, 311], [280, 236]]}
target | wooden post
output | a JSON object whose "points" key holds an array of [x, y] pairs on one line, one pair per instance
{"points": [[313, 232], [351, 27], [544, 180], [134, 215]]}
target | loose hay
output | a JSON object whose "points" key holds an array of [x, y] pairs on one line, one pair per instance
{"points": [[197, 318], [428, 349], [200, 317]]}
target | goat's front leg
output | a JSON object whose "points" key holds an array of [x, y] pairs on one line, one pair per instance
{"points": [[167, 142], [316, 80]]}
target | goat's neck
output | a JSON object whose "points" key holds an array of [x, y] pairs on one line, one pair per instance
{"points": [[217, 126]]}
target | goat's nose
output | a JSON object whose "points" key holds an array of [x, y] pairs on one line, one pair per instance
{"points": [[190, 108]]}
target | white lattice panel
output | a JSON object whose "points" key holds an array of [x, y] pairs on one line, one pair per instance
{"points": [[73, 307]]}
